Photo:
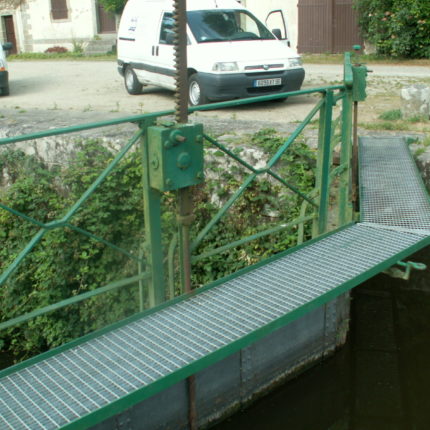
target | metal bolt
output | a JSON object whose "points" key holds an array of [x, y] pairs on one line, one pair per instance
{"points": [[176, 137], [155, 163], [184, 160]]}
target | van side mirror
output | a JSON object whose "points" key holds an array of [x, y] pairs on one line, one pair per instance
{"points": [[277, 32], [7, 46]]}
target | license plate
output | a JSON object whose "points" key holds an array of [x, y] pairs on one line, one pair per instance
{"points": [[267, 82]]}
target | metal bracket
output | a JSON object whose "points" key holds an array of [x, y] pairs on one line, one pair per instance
{"points": [[405, 271], [175, 156]]}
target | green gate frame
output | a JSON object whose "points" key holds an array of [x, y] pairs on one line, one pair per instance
{"points": [[350, 92]]}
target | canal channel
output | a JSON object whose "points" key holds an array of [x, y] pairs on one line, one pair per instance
{"points": [[380, 380]]}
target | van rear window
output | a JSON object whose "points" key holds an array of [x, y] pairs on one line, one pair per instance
{"points": [[222, 25]]}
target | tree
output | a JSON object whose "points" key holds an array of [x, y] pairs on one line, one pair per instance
{"points": [[115, 6], [396, 27]]}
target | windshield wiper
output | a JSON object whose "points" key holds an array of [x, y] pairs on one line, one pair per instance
{"points": [[239, 36]]}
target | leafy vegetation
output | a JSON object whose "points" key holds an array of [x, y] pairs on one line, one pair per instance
{"points": [[66, 263], [400, 28], [391, 115], [392, 120], [56, 50], [115, 6]]}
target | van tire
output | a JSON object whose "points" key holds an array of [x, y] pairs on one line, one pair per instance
{"points": [[132, 84], [5, 90], [196, 94]]}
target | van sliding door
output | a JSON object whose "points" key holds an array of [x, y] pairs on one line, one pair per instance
{"points": [[163, 52]]}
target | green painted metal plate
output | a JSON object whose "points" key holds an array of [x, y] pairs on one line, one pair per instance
{"points": [[359, 87], [175, 156]]}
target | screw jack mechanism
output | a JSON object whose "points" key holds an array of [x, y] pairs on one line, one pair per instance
{"points": [[185, 202]]}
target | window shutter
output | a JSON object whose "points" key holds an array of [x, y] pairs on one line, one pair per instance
{"points": [[59, 9]]}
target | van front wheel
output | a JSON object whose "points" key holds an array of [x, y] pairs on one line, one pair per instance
{"points": [[5, 90], [196, 93], [132, 84]]}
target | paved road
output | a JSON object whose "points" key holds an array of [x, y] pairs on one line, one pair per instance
{"points": [[91, 86], [82, 90]]}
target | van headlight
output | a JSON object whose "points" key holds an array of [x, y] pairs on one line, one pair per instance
{"points": [[2, 66], [230, 66], [295, 62]]}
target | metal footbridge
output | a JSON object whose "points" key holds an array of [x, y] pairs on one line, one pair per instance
{"points": [[82, 383], [93, 378]]}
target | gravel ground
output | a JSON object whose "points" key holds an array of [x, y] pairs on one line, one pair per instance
{"points": [[51, 94]]}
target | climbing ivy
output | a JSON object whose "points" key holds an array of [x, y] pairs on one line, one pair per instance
{"points": [[66, 263], [396, 27], [115, 6]]}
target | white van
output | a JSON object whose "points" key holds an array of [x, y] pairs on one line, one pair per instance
{"points": [[231, 54]]}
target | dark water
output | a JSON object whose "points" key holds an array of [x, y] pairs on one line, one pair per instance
{"points": [[380, 380], [6, 360]]}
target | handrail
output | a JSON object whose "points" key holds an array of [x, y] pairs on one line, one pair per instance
{"points": [[259, 235], [137, 119], [347, 71], [255, 173], [75, 299], [65, 220], [317, 200]]}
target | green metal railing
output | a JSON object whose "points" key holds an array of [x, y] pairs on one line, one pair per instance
{"points": [[332, 182]]}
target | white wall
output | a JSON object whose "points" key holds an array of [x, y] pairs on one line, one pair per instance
{"points": [[261, 8], [44, 32]]}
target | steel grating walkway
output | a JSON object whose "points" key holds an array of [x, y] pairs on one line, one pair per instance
{"points": [[78, 385], [392, 191]]}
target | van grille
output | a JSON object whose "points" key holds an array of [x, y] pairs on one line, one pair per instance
{"points": [[265, 67], [277, 74], [261, 90]]}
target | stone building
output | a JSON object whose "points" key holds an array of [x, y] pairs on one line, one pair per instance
{"points": [[36, 25]]}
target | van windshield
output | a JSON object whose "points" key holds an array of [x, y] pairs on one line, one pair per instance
{"points": [[222, 25]]}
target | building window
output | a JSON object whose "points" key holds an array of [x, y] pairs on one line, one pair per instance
{"points": [[59, 9]]}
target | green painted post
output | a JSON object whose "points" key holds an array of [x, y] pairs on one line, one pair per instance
{"points": [[324, 163], [345, 184], [346, 212], [185, 219], [152, 213]]}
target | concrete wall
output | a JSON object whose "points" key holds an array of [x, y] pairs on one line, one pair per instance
{"points": [[262, 8], [236, 381], [37, 31]]}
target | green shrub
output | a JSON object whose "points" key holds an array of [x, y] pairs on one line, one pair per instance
{"points": [[391, 115], [66, 263], [56, 50], [396, 27]]}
